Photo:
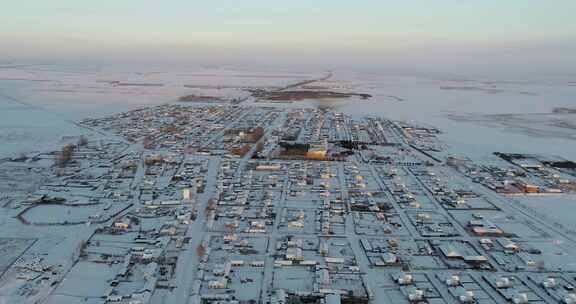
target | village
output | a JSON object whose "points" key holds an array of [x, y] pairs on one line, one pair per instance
{"points": [[268, 205]]}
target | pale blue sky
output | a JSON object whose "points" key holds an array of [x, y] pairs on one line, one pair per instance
{"points": [[380, 31]]}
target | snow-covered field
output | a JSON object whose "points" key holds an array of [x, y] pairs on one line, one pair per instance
{"points": [[428, 101], [562, 211], [26, 127]]}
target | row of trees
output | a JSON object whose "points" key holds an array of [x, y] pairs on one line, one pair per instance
{"points": [[254, 136], [65, 156]]}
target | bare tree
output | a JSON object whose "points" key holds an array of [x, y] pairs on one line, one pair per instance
{"points": [[82, 141], [65, 155], [211, 205], [200, 251]]}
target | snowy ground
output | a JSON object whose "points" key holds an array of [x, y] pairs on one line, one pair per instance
{"points": [[27, 128], [558, 207]]}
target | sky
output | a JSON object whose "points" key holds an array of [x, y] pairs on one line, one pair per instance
{"points": [[482, 34]]}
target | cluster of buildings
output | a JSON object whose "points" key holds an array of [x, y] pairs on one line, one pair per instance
{"points": [[521, 174], [244, 205]]}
